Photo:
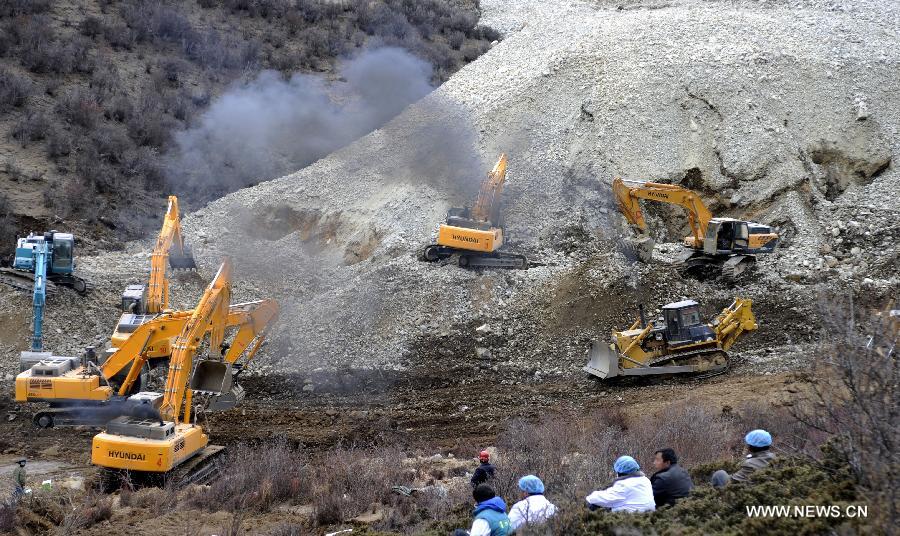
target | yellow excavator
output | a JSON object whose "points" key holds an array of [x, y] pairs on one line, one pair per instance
{"points": [[85, 391], [92, 389], [475, 234], [165, 445], [724, 245], [141, 302], [677, 343]]}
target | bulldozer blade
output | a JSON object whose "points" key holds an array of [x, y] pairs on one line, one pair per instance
{"points": [[604, 362], [212, 377]]}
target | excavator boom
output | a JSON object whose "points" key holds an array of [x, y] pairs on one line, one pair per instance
{"points": [[169, 247], [488, 202], [209, 315], [629, 193]]}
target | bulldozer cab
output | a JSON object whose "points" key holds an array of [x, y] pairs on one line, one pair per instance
{"points": [[726, 236], [683, 324]]}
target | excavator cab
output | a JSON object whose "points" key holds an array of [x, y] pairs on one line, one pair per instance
{"points": [[726, 236]]}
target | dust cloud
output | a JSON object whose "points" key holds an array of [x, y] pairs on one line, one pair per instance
{"points": [[272, 126]]}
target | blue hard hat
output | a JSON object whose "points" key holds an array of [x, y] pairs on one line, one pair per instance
{"points": [[625, 465], [758, 438], [531, 484]]}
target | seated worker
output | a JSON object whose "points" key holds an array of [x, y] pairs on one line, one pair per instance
{"points": [[759, 457], [534, 508], [631, 490], [670, 481], [489, 516]]}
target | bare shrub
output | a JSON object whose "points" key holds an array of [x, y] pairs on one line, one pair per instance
{"points": [[854, 398], [92, 510], [33, 126], [7, 508], [255, 477], [15, 8], [59, 143], [472, 50], [112, 144], [14, 90], [80, 106], [105, 81], [91, 26], [456, 39], [207, 4], [120, 36]]}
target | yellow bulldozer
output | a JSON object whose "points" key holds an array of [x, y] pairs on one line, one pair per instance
{"points": [[677, 343]]}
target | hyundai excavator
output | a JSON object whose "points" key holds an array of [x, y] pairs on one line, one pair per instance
{"points": [[89, 391], [475, 234], [171, 446], [141, 302], [725, 245], [677, 343]]}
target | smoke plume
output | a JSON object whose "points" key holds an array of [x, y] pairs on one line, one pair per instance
{"points": [[271, 126]]}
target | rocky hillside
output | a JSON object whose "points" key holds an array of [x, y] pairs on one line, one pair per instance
{"points": [[782, 112]]}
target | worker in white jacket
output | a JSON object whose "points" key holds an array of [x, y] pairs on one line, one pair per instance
{"points": [[534, 508], [631, 490]]}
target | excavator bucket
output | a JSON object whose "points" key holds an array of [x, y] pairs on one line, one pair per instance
{"points": [[604, 362], [182, 261], [227, 400], [212, 377]]}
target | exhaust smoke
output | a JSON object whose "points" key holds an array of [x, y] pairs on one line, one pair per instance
{"points": [[271, 126]]}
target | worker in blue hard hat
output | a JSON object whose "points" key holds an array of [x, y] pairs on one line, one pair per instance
{"points": [[631, 491], [759, 456], [534, 508]]}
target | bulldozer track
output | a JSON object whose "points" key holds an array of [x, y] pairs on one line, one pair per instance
{"points": [[675, 359]]}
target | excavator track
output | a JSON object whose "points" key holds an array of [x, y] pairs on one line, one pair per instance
{"points": [[23, 280], [203, 468], [474, 259]]}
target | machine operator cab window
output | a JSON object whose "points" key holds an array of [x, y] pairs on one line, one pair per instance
{"points": [[680, 317], [729, 235], [62, 253]]}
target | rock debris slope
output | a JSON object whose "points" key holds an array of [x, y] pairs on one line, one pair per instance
{"points": [[784, 112]]}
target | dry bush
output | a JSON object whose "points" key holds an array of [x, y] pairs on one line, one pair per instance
{"points": [[854, 399], [59, 143], [14, 90], [33, 126], [255, 477], [91, 26], [80, 106], [16, 8]]}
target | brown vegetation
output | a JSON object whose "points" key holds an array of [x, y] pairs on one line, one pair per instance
{"points": [[100, 87]]}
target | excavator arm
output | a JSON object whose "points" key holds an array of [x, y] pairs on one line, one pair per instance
{"points": [[252, 319], [629, 193], [169, 247], [210, 315], [488, 202]]}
